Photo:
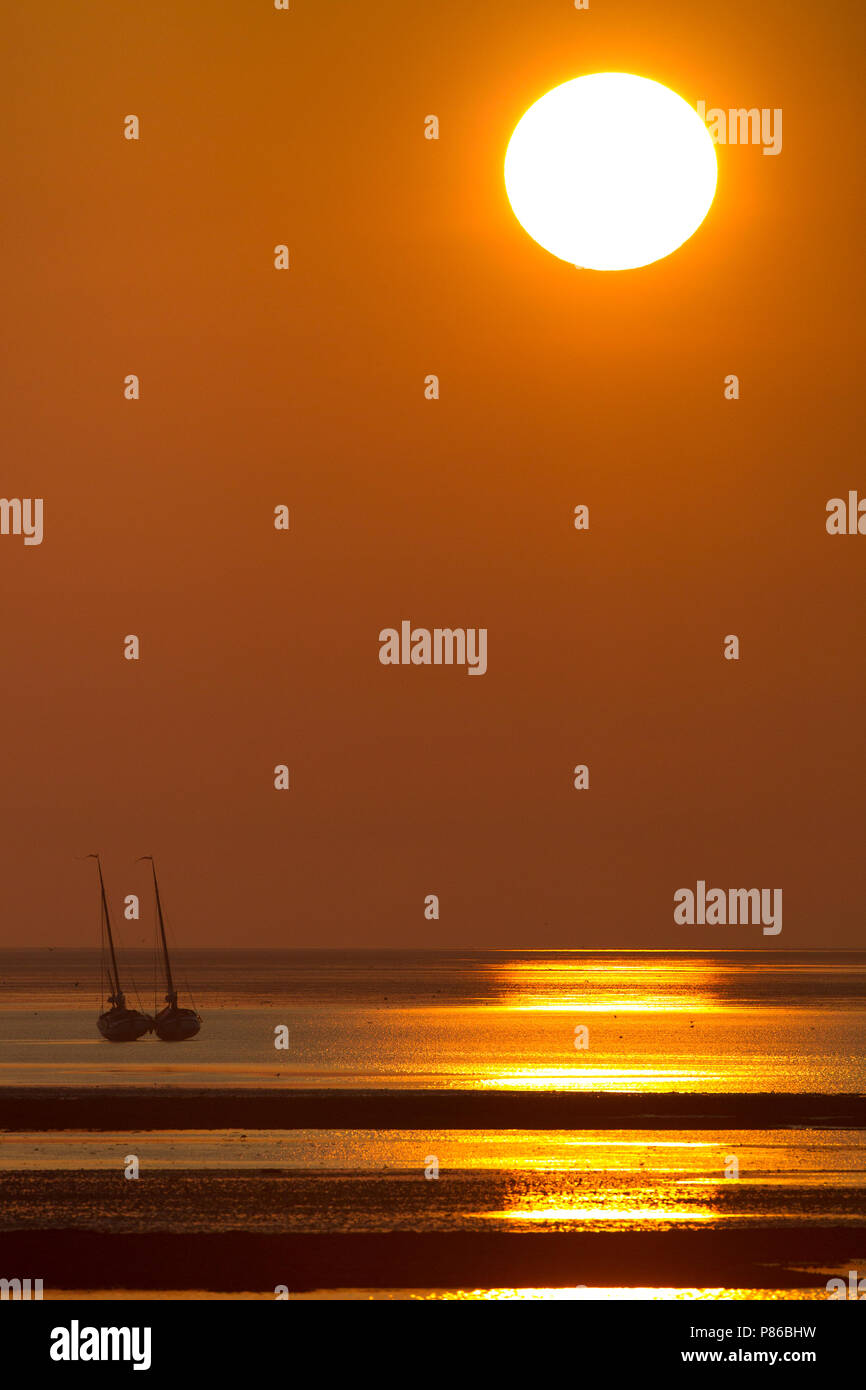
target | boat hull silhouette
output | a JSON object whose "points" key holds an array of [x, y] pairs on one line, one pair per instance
{"points": [[176, 1025], [123, 1025]]}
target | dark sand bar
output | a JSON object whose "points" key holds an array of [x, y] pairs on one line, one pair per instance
{"points": [[178, 1108], [774, 1257]]}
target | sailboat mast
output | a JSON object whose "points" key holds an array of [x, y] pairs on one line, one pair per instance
{"points": [[107, 920], [168, 979]]}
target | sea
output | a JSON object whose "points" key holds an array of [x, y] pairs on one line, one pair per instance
{"points": [[556, 1021]]}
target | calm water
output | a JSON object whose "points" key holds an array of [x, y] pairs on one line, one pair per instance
{"points": [[731, 1021], [367, 1180], [620, 1295]]}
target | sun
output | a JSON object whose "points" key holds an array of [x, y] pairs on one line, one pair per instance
{"points": [[610, 171]]}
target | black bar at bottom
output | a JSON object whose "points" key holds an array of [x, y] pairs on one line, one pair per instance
{"points": [[261, 1339]]}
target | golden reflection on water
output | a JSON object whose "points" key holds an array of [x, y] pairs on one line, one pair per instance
{"points": [[578, 1213], [576, 1294], [662, 1021], [611, 1004], [581, 1294], [594, 1078], [670, 984]]}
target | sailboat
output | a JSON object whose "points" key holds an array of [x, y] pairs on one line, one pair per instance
{"points": [[171, 1023], [117, 1024]]}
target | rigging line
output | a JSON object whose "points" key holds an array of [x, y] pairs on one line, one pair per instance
{"points": [[103, 972], [100, 979], [161, 917], [190, 993], [157, 961], [177, 951], [127, 966], [100, 988], [100, 982], [135, 989], [169, 935], [153, 958]]}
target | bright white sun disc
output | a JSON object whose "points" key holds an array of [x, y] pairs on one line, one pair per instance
{"points": [[610, 171]]}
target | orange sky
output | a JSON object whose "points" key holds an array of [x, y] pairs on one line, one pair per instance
{"points": [[306, 388]]}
